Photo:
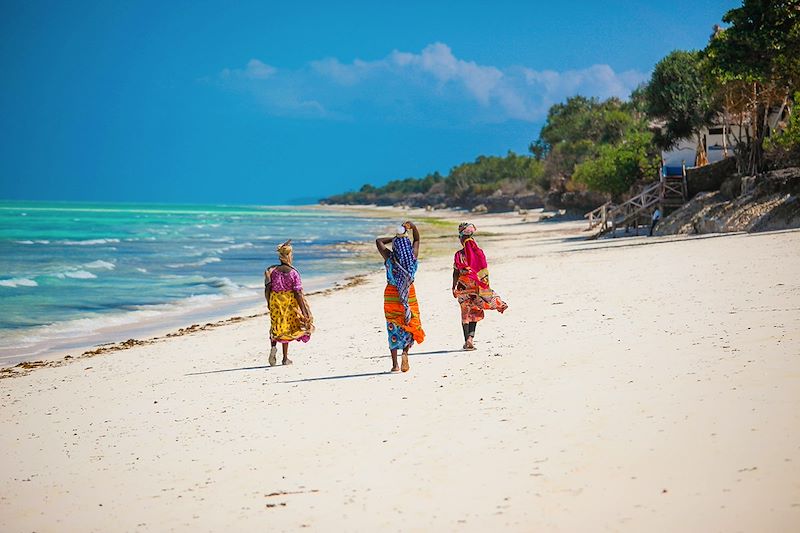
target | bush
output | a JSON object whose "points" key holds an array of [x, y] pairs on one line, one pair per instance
{"points": [[617, 167], [783, 148], [789, 137]]}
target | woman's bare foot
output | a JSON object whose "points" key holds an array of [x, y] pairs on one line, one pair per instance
{"points": [[286, 361], [395, 368], [404, 362], [272, 353], [468, 345]]}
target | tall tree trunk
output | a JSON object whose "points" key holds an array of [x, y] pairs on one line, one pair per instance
{"points": [[725, 136], [756, 160]]}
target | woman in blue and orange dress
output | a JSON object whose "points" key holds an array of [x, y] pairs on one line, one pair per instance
{"points": [[400, 306]]}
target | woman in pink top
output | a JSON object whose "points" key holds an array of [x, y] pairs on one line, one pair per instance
{"points": [[290, 316]]}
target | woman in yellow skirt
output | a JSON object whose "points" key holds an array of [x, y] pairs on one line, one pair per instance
{"points": [[290, 315]]}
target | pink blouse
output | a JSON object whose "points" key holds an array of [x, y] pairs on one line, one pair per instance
{"points": [[285, 281]]}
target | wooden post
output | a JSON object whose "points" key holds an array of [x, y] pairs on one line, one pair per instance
{"points": [[685, 186], [604, 217], [725, 139]]}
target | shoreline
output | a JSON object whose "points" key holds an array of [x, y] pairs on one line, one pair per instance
{"points": [[149, 330], [61, 357], [114, 285], [152, 327]]}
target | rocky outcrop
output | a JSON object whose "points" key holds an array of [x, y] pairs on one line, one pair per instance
{"points": [[423, 200], [529, 201], [578, 202], [499, 202], [709, 178], [436, 197], [769, 201], [494, 203]]}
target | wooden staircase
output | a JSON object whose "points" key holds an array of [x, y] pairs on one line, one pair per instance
{"points": [[668, 193]]}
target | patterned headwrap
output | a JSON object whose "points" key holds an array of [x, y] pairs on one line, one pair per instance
{"points": [[285, 252], [405, 265], [466, 229]]}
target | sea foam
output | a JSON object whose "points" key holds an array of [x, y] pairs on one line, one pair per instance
{"points": [[89, 242], [76, 274], [200, 263], [18, 282], [101, 264]]}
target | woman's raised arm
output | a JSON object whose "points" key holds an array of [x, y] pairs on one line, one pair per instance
{"points": [[381, 243], [415, 235]]}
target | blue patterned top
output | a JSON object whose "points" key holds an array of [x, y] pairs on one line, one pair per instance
{"points": [[390, 279]]}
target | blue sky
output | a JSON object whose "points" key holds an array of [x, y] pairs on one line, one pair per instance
{"points": [[266, 102]]}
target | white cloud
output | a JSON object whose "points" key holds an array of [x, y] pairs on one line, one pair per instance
{"points": [[438, 60], [258, 70], [288, 104], [435, 60], [254, 70], [342, 74], [433, 84], [598, 80]]}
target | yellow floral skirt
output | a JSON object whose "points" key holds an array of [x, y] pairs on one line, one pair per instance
{"points": [[287, 322]]}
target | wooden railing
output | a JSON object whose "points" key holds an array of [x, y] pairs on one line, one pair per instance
{"points": [[599, 217], [608, 216], [624, 212], [673, 186]]}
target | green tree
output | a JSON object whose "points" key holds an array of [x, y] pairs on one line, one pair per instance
{"points": [[618, 166], [789, 138], [784, 147], [756, 63], [539, 149], [679, 95], [581, 118], [576, 129]]}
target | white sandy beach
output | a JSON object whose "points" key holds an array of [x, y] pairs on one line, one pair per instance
{"points": [[633, 385]]}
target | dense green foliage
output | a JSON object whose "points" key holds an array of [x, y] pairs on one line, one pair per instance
{"points": [[591, 134], [586, 119], [485, 175], [755, 65], [512, 173], [678, 94], [619, 166], [761, 45], [789, 138], [394, 191], [784, 147]]}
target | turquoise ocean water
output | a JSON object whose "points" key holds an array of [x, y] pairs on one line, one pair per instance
{"points": [[76, 271]]}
